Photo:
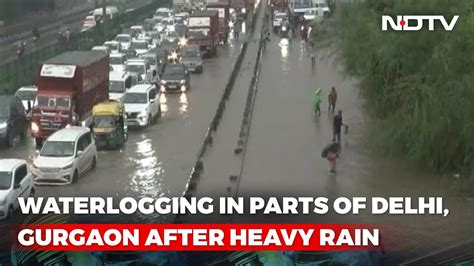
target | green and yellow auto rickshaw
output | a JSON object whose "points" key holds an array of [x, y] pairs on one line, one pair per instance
{"points": [[109, 125]]}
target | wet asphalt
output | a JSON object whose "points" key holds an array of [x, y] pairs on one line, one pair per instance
{"points": [[283, 153]]}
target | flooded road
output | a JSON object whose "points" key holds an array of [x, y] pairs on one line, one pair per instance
{"points": [[283, 156], [157, 160]]}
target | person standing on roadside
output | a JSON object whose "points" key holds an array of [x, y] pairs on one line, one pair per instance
{"points": [[317, 101], [332, 99], [337, 125]]}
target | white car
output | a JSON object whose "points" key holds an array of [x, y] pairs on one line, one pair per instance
{"points": [[162, 13], [66, 155], [117, 61], [114, 46], [278, 19], [125, 40], [137, 30], [101, 48], [27, 95], [139, 66], [15, 182], [168, 24], [314, 14], [119, 83], [323, 5], [142, 104], [140, 46]]}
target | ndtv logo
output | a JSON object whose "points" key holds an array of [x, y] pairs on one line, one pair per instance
{"points": [[402, 23]]}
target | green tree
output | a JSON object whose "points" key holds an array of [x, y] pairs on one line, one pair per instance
{"points": [[419, 85]]}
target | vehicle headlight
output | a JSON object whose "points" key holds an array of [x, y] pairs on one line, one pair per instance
{"points": [[68, 166], [3, 125], [162, 82], [34, 127], [243, 10], [3, 202], [183, 81]]}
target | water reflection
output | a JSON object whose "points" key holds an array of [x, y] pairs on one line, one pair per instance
{"points": [[164, 104], [183, 104], [284, 49]]}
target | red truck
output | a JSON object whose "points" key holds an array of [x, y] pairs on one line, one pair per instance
{"points": [[222, 7], [203, 30], [69, 85]]}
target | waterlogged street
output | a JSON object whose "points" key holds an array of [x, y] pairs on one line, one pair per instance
{"points": [[282, 156], [157, 160]]}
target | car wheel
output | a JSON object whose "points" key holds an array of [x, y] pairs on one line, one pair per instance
{"points": [[75, 177], [10, 212], [32, 192], [94, 163]]}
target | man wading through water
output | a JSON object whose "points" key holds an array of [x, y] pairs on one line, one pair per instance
{"points": [[337, 125]]}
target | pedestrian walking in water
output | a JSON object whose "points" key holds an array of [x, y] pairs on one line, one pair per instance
{"points": [[331, 153], [236, 30], [313, 55], [317, 101], [332, 99], [337, 125]]}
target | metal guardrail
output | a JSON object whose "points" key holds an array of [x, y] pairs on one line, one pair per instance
{"points": [[23, 71], [196, 171]]}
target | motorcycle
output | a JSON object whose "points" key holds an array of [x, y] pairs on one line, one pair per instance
{"points": [[304, 32], [285, 31], [20, 49]]}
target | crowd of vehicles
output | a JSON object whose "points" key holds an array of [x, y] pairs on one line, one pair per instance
{"points": [[85, 101]]}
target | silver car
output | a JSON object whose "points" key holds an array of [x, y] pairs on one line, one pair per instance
{"points": [[192, 58]]}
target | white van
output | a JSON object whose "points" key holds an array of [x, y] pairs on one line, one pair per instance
{"points": [[15, 182], [111, 11], [65, 156], [119, 83]]}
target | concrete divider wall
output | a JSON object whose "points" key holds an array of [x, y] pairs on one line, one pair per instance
{"points": [[198, 168]]}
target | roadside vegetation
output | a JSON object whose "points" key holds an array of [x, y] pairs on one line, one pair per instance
{"points": [[418, 85]]}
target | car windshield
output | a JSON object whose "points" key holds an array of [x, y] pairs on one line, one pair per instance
{"points": [[104, 121], [322, 4], [48, 101], [136, 68], [116, 86], [161, 14], [5, 180], [58, 149], [135, 98], [26, 95], [191, 53], [139, 45], [117, 60], [123, 39], [174, 70]]}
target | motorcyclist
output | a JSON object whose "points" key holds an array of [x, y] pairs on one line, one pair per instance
{"points": [[20, 48]]}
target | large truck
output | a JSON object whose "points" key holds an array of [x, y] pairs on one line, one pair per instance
{"points": [[69, 85], [222, 7], [203, 30], [241, 7]]}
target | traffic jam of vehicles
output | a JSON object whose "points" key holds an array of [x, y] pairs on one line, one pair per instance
{"points": [[86, 101]]}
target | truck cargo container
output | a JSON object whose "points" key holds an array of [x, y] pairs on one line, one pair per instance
{"points": [[222, 7], [69, 85], [203, 30]]}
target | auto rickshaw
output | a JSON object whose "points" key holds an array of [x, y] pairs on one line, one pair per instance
{"points": [[109, 125]]}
